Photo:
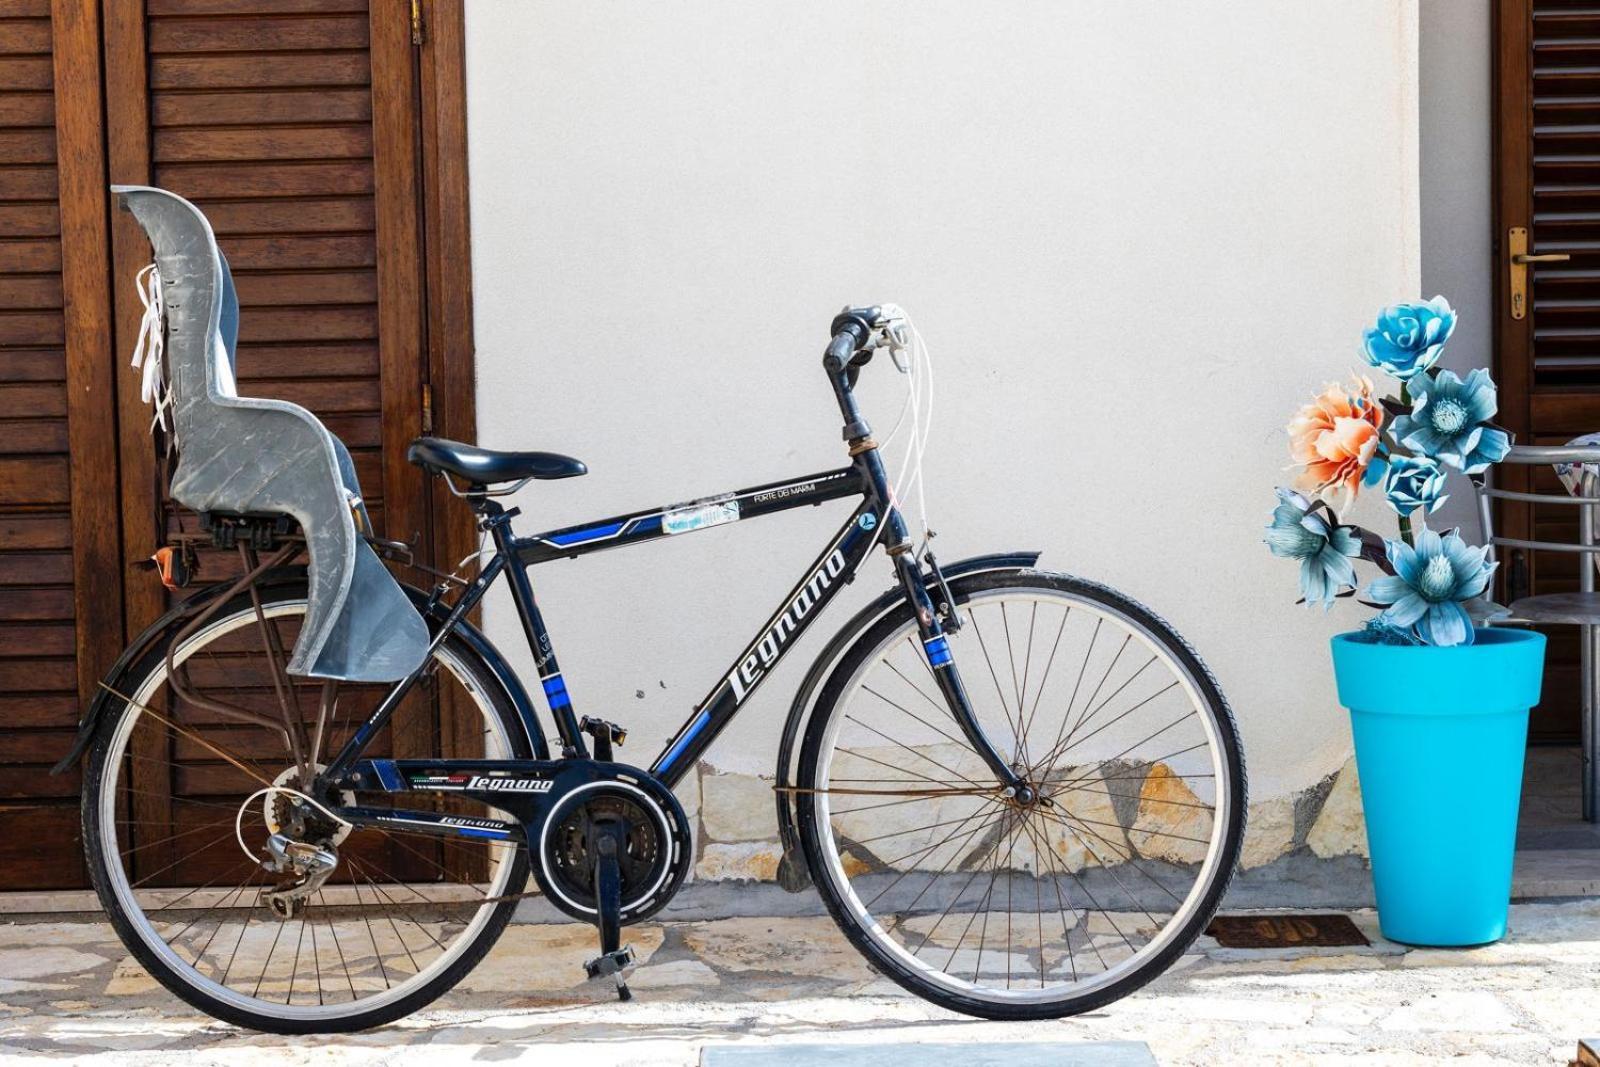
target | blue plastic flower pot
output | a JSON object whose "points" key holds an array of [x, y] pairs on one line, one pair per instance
{"points": [[1440, 735]]}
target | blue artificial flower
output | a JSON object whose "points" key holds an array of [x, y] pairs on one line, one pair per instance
{"points": [[1447, 421], [1408, 338], [1377, 631], [1324, 548], [1428, 585], [1412, 482]]}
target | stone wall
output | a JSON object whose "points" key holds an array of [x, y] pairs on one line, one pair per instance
{"points": [[736, 828]]}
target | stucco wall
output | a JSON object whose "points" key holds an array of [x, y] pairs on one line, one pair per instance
{"points": [[1135, 235], [1456, 167]]}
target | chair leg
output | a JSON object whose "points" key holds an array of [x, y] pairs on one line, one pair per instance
{"points": [[1591, 733]]}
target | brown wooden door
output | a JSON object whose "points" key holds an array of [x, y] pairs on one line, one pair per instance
{"points": [[291, 124], [301, 128], [60, 578], [1547, 138]]}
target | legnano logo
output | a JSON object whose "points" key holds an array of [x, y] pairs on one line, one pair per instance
{"points": [[510, 785], [767, 650]]}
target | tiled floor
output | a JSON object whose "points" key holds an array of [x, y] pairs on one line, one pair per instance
{"points": [[1551, 815], [68, 994]]}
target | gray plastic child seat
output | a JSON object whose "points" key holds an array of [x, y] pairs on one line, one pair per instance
{"points": [[244, 454]]}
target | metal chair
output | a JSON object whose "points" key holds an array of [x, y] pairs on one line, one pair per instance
{"points": [[1580, 609]]}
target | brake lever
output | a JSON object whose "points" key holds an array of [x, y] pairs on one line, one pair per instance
{"points": [[892, 330]]}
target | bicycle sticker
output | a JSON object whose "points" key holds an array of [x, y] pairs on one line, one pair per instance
{"points": [[699, 516]]}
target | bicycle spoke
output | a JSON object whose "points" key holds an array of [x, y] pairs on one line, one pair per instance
{"points": [[921, 853], [914, 752], [1044, 678], [965, 916], [1130, 858], [1016, 727], [918, 718], [176, 783], [933, 878]]}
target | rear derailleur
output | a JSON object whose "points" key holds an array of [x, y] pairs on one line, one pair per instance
{"points": [[302, 867], [301, 850]]}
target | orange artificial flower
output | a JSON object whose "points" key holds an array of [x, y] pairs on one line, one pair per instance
{"points": [[1335, 437]]}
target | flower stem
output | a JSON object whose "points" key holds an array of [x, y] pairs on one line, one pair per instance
{"points": [[1405, 520]]}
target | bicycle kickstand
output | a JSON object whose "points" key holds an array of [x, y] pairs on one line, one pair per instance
{"points": [[614, 957]]}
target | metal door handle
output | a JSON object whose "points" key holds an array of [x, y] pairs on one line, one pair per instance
{"points": [[1517, 271]]}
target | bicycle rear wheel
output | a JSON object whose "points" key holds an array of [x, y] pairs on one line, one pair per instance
{"points": [[1011, 910], [170, 783]]}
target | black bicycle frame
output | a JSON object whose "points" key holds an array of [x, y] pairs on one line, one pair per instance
{"points": [[875, 520]]}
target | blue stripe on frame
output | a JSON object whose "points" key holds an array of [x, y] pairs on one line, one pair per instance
{"points": [[473, 831], [574, 537], [938, 651], [688, 735], [555, 691], [388, 775]]}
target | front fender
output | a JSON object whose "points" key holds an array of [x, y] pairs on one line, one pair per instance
{"points": [[791, 869], [180, 614]]}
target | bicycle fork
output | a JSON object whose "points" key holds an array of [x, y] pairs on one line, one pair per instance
{"points": [[897, 543]]}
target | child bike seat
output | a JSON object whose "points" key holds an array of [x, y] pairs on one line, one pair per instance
{"points": [[246, 454]]}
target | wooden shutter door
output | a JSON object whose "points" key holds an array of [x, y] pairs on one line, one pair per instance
{"points": [[60, 590], [293, 125], [1548, 360]]}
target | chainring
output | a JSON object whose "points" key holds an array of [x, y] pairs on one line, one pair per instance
{"points": [[656, 853]]}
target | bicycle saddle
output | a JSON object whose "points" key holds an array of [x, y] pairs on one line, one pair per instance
{"points": [[483, 466]]}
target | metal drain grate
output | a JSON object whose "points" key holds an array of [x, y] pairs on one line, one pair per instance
{"points": [[1285, 931]]}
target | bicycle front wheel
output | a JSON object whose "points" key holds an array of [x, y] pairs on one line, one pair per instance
{"points": [[1000, 908], [175, 782]]}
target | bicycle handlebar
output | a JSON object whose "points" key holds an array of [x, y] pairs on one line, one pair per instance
{"points": [[851, 328]]}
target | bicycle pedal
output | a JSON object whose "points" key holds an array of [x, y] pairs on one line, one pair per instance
{"points": [[610, 963], [605, 734]]}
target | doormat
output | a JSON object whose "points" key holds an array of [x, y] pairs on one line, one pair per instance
{"points": [[1285, 931]]}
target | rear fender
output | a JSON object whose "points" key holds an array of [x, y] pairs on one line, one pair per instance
{"points": [[792, 873], [168, 625]]}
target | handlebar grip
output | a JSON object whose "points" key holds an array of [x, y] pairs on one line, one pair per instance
{"points": [[840, 350], [851, 328]]}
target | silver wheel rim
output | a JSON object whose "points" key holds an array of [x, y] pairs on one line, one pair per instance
{"points": [[1181, 917], [152, 939]]}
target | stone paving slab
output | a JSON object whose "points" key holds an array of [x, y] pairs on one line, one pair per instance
{"points": [[69, 994], [1006, 1054]]}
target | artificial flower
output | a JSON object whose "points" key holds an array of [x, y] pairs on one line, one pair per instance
{"points": [[1412, 482], [1323, 547], [1335, 438], [1378, 631], [1408, 338], [1428, 585], [1448, 421]]}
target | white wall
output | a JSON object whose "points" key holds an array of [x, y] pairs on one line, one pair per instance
{"points": [[1136, 236], [1456, 104]]}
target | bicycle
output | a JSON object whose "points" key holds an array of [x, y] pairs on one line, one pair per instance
{"points": [[383, 851]]}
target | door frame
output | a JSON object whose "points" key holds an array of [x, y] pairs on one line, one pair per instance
{"points": [[1511, 166]]}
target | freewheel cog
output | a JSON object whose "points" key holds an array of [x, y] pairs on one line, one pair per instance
{"points": [[282, 815], [656, 846]]}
